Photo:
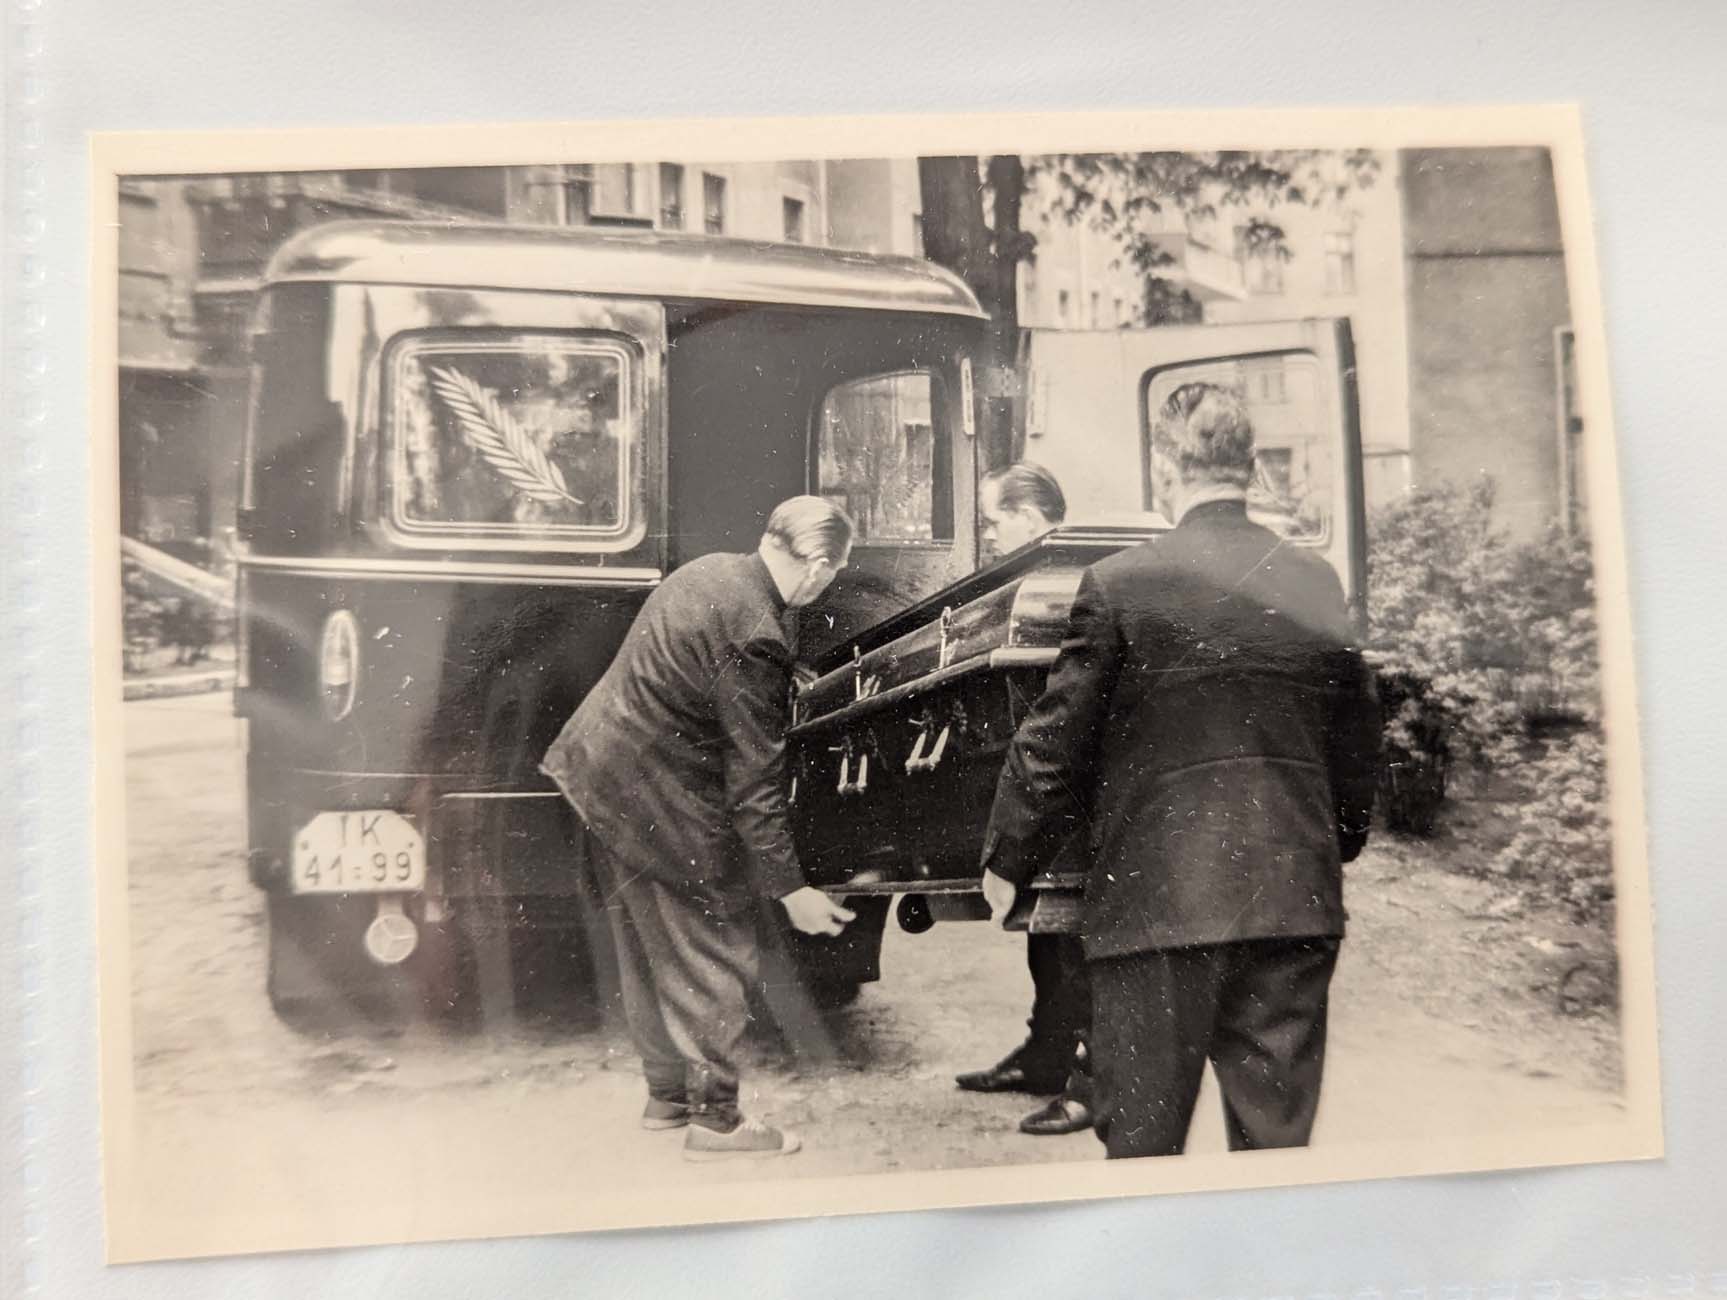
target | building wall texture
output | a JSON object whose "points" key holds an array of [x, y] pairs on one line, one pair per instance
{"points": [[1369, 291], [1486, 295]]}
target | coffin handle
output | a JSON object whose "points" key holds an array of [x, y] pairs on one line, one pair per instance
{"points": [[940, 748], [921, 762], [849, 786]]}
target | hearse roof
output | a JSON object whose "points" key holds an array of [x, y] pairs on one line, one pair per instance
{"points": [[631, 262]]}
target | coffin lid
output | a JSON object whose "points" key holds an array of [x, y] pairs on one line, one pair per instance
{"points": [[1018, 605], [1069, 545]]}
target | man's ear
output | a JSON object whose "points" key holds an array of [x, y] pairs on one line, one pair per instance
{"points": [[1163, 478], [1162, 471]]}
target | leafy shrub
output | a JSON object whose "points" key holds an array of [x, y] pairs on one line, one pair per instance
{"points": [[1437, 610], [1487, 653], [1561, 849], [1416, 751]]}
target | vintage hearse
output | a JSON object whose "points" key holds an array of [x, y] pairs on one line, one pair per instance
{"points": [[473, 450]]}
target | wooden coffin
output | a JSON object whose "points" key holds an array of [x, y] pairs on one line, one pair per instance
{"points": [[895, 748]]}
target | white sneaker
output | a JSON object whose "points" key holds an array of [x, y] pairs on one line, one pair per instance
{"points": [[750, 1140]]}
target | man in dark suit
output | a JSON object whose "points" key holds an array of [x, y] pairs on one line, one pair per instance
{"points": [[1018, 505], [675, 761], [1212, 733]]}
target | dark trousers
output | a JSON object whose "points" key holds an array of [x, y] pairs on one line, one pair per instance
{"points": [[1060, 1010], [1256, 1010], [687, 954]]}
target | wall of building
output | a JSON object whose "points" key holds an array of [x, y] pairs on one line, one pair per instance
{"points": [[1370, 293], [1078, 277], [158, 259], [534, 195], [1080, 280], [1487, 291], [756, 193], [169, 486], [191, 252], [874, 205]]}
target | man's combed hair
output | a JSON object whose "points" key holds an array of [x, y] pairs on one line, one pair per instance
{"points": [[1025, 484], [1205, 430], [811, 528]]}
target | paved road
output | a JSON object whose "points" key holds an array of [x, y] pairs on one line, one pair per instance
{"points": [[242, 1130]]}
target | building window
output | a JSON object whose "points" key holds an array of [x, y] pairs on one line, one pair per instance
{"points": [[1340, 262], [1063, 305], [792, 220], [671, 196], [1120, 310], [1264, 383], [713, 203], [578, 193], [617, 190], [1096, 310], [1261, 267]]}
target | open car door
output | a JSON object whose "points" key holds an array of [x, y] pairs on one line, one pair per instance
{"points": [[1093, 395]]}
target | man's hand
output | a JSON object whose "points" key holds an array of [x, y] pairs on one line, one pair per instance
{"points": [[814, 912], [999, 894]]}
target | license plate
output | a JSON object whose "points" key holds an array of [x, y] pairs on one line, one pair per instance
{"points": [[361, 852]]}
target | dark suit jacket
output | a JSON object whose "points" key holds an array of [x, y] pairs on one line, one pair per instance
{"points": [[1210, 733], [676, 758]]}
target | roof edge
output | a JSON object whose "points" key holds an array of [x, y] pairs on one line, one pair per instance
{"points": [[617, 262]]}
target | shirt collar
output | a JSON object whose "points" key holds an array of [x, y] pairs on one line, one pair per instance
{"points": [[1212, 493]]}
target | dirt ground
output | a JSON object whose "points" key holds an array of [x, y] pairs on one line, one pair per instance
{"points": [[1446, 1024]]}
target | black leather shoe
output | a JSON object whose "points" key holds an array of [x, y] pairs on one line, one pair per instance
{"points": [[1062, 1115], [1010, 1076]]}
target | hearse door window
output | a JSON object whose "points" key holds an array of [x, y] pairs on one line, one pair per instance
{"points": [[1294, 477], [523, 442], [880, 455]]}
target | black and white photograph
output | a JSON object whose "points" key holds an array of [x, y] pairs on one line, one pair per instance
{"points": [[653, 675]]}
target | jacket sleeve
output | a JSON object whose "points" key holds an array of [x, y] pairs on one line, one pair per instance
{"points": [[1048, 782], [752, 702], [1352, 749]]}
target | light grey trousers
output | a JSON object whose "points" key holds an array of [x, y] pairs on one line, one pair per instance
{"points": [[687, 956]]}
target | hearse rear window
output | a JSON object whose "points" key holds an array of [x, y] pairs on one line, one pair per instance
{"points": [[1294, 431], [522, 441]]}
